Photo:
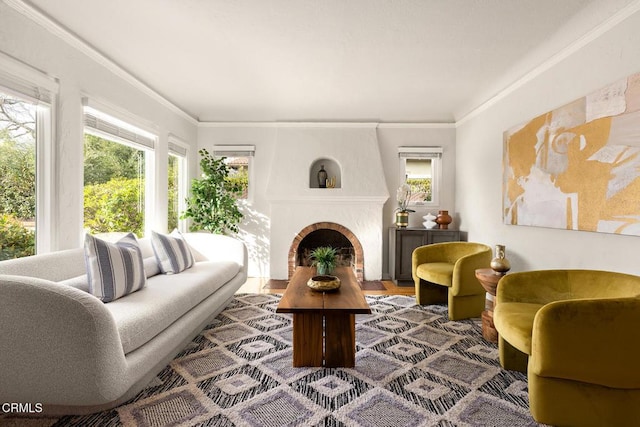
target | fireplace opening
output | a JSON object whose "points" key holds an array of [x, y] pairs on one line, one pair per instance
{"points": [[325, 237], [348, 246]]}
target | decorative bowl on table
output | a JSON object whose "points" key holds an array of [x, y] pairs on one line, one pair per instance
{"points": [[324, 283]]}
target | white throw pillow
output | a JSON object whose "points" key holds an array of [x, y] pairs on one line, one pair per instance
{"points": [[114, 269], [172, 252]]}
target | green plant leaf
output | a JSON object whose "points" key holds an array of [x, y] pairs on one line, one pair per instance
{"points": [[213, 205]]}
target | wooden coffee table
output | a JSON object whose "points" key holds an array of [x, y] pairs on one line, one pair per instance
{"points": [[324, 324]]}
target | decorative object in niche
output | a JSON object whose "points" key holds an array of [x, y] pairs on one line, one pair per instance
{"points": [[443, 219], [500, 264], [578, 167], [322, 177], [429, 220], [325, 173]]}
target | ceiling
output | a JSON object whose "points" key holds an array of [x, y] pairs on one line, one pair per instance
{"points": [[328, 60]]}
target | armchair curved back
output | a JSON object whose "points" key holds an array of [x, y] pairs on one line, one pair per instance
{"points": [[452, 264], [545, 286], [584, 343]]}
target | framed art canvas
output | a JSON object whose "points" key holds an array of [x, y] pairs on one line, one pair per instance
{"points": [[578, 167]]}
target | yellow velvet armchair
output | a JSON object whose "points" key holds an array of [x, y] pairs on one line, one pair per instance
{"points": [[577, 335], [445, 272]]}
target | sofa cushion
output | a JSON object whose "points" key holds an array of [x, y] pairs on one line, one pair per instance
{"points": [[82, 282], [143, 315], [172, 252], [436, 272], [114, 269], [514, 320]]}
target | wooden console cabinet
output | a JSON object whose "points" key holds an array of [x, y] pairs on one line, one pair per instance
{"points": [[402, 242]]}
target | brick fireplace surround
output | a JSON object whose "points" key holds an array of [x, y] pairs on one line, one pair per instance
{"points": [[357, 247]]}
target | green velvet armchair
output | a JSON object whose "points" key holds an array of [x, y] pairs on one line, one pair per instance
{"points": [[577, 335], [445, 272]]}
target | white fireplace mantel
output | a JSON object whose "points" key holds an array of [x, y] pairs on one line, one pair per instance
{"points": [[357, 204]]}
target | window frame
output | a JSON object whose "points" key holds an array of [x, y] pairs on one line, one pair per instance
{"points": [[25, 82], [240, 151], [420, 153], [178, 148], [108, 122]]}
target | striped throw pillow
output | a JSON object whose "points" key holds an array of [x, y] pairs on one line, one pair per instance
{"points": [[114, 269], [172, 252]]}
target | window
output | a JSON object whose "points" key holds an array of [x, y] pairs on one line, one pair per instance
{"points": [[177, 185], [238, 160], [17, 177], [420, 168], [25, 160], [118, 175]]}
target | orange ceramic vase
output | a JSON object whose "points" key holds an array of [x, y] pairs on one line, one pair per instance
{"points": [[443, 219]]}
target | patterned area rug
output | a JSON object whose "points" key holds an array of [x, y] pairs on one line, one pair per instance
{"points": [[414, 367]]}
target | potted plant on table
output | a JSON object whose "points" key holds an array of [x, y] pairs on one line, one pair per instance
{"points": [[324, 259], [213, 204], [402, 212]]}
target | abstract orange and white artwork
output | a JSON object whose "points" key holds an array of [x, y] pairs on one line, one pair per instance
{"points": [[578, 167]]}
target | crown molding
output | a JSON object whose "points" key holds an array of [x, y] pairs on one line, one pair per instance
{"points": [[554, 60], [76, 42], [365, 125], [425, 125], [287, 124]]}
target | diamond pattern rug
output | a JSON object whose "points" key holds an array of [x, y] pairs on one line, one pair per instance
{"points": [[414, 367]]}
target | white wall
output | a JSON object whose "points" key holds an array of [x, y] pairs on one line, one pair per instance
{"points": [[390, 137], [256, 227], [612, 56], [80, 76]]}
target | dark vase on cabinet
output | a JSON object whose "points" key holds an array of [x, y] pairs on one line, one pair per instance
{"points": [[402, 242]]}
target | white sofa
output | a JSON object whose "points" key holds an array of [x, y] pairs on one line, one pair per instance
{"points": [[65, 349]]}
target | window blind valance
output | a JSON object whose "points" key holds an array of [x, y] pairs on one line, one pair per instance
{"points": [[420, 152], [105, 126], [177, 150], [234, 150], [23, 81], [177, 146]]}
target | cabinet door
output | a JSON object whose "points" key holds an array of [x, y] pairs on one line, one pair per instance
{"points": [[443, 236], [407, 241]]}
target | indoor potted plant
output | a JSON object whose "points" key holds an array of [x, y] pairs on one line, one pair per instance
{"points": [[213, 204], [403, 195], [324, 259]]}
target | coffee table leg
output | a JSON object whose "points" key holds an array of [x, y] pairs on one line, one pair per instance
{"points": [[340, 340], [307, 339]]}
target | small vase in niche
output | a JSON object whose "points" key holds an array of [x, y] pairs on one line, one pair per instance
{"points": [[322, 177], [500, 264], [443, 219]]}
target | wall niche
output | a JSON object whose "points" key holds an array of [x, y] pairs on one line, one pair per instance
{"points": [[334, 173]]}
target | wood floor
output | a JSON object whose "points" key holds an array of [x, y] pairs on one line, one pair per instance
{"points": [[256, 285]]}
